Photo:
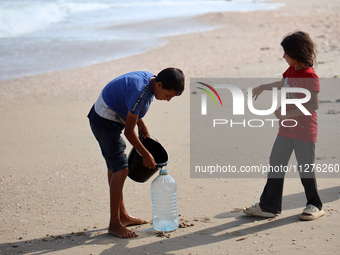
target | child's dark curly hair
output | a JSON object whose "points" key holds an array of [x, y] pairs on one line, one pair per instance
{"points": [[299, 46]]}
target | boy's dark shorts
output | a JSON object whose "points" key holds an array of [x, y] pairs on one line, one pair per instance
{"points": [[112, 145]]}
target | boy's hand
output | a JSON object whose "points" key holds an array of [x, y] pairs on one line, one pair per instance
{"points": [[149, 161], [142, 129], [131, 135]]}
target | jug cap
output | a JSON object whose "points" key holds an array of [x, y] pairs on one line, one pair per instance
{"points": [[163, 172]]}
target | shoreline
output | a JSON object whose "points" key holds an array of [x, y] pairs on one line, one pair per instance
{"points": [[102, 51], [46, 53], [53, 186], [255, 58]]}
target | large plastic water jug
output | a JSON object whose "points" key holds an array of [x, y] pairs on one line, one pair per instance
{"points": [[164, 202]]}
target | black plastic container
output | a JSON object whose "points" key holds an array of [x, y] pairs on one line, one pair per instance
{"points": [[137, 171]]}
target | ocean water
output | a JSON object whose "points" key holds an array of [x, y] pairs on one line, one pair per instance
{"points": [[38, 36]]}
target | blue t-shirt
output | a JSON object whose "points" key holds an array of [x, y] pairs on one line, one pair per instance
{"points": [[122, 94]]}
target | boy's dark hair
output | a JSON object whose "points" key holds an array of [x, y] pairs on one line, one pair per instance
{"points": [[299, 46], [172, 79]]}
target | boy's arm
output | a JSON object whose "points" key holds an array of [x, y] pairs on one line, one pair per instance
{"points": [[258, 90], [142, 129], [312, 105], [131, 135]]}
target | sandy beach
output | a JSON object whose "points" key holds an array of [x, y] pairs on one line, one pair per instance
{"points": [[53, 185]]}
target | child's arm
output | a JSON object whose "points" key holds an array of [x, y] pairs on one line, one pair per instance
{"points": [[258, 90], [131, 135], [142, 129], [312, 105]]}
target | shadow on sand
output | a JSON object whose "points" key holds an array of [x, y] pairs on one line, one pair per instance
{"points": [[211, 235]]}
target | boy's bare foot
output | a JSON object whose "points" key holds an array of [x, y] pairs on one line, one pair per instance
{"points": [[130, 221], [120, 231]]}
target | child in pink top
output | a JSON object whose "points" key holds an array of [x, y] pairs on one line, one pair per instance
{"points": [[299, 52]]}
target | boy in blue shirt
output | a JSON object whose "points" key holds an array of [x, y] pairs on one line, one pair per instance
{"points": [[121, 105]]}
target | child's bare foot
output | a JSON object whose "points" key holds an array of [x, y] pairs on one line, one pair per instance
{"points": [[130, 221], [120, 231]]}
